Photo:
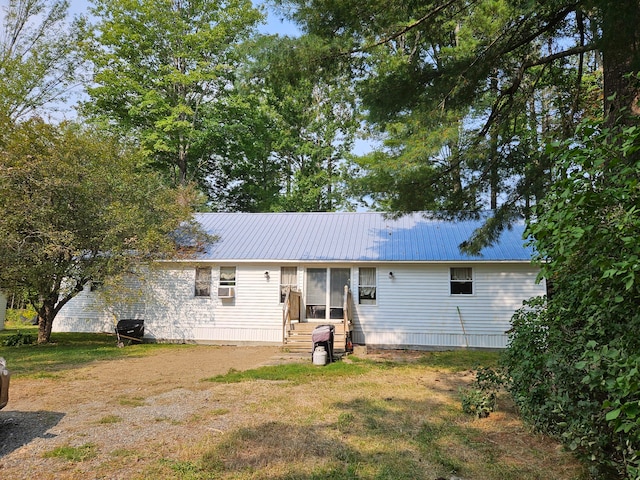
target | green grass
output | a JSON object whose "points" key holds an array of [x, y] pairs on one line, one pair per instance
{"points": [[66, 351], [296, 373], [460, 360], [73, 454]]}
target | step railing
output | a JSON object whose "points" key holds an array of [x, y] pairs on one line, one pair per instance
{"points": [[290, 310]]}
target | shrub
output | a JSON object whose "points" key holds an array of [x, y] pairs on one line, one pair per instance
{"points": [[481, 399], [573, 360], [18, 339]]}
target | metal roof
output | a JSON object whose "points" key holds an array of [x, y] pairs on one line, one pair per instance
{"points": [[350, 236]]}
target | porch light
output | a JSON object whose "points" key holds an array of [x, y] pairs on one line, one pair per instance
{"points": [[266, 274], [391, 275]]}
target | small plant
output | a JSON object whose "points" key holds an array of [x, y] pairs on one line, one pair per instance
{"points": [[480, 400], [477, 402], [18, 339]]}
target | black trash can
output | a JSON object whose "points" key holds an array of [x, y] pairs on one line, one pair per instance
{"points": [[322, 335], [130, 330]]}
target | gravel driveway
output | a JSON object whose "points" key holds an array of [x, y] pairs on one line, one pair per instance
{"points": [[121, 406]]}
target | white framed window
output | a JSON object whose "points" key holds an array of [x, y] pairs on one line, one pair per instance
{"points": [[288, 278], [203, 282], [227, 276], [367, 286], [461, 280]]}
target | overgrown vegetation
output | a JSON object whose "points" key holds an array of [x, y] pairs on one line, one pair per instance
{"points": [[18, 339], [574, 360]]}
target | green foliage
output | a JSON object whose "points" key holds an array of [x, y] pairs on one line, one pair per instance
{"points": [[461, 97], [478, 402], [163, 73], [481, 398], [39, 56], [18, 339], [68, 195], [574, 361]]}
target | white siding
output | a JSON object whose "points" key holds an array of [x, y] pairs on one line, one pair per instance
{"points": [[413, 309], [89, 312], [253, 315]]}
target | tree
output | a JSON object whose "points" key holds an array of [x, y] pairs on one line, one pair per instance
{"points": [[76, 207], [39, 56], [313, 109], [161, 69], [515, 74]]}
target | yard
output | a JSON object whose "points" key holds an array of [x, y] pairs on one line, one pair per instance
{"points": [[85, 409]]}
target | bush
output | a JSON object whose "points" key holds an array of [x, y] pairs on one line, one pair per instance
{"points": [[18, 339], [574, 360], [481, 399]]}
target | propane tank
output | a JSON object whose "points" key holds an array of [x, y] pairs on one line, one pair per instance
{"points": [[320, 356]]}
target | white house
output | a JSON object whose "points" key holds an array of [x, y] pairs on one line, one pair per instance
{"points": [[410, 286]]}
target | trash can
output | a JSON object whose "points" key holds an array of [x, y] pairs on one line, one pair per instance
{"points": [[131, 330], [322, 336]]}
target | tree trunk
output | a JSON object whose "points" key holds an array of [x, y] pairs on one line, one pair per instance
{"points": [[621, 60], [46, 314]]}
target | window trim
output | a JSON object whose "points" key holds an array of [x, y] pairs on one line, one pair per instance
{"points": [[202, 282], [461, 282]]}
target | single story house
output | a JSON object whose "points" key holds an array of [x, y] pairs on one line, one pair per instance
{"points": [[407, 284]]}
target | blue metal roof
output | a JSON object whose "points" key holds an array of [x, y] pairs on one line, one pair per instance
{"points": [[350, 236]]}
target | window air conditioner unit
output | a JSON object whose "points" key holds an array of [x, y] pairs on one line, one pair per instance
{"points": [[226, 292]]}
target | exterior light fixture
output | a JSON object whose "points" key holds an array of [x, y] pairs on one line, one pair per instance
{"points": [[266, 274], [391, 275]]}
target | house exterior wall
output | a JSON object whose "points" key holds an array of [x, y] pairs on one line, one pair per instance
{"points": [[414, 309]]}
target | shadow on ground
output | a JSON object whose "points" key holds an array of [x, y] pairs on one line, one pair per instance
{"points": [[19, 428]]}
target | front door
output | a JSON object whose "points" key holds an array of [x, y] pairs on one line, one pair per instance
{"points": [[325, 286]]}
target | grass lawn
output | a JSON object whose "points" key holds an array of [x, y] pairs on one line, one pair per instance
{"points": [[66, 350], [360, 418]]}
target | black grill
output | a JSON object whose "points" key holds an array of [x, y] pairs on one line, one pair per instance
{"points": [[131, 330]]}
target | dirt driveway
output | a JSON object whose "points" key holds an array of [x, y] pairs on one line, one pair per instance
{"points": [[92, 406]]}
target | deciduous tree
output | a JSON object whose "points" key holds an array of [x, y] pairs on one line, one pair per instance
{"points": [[161, 68], [76, 206], [39, 57]]}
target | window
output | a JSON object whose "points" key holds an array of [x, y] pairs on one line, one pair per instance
{"points": [[288, 278], [203, 282], [367, 286], [462, 281], [227, 276]]}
